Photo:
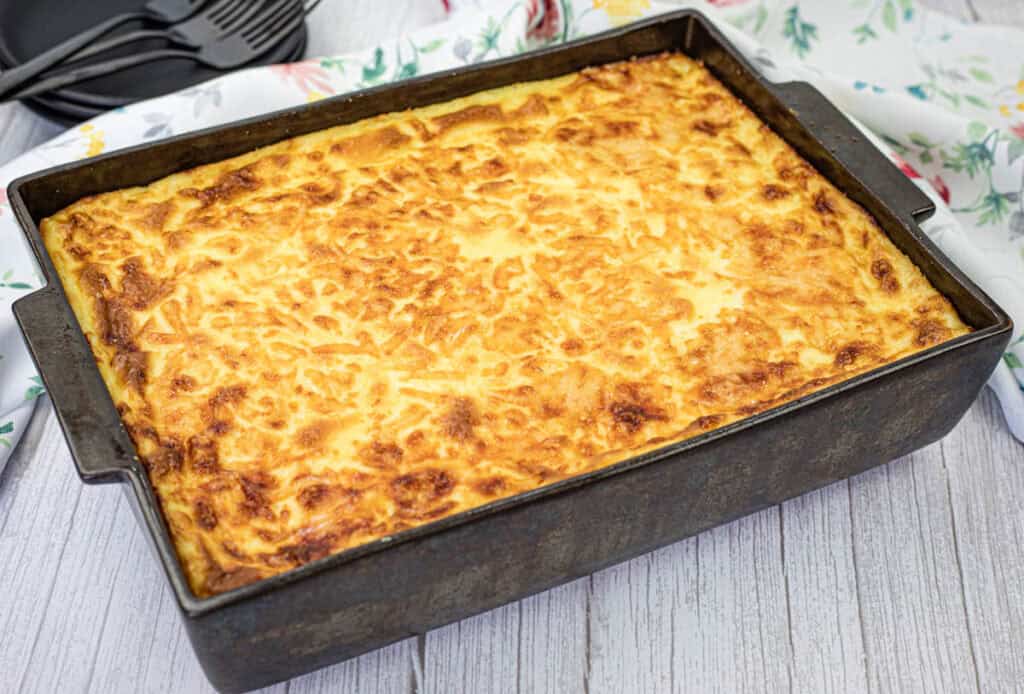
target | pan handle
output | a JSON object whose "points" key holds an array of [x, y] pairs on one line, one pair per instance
{"points": [[99, 444], [848, 144]]}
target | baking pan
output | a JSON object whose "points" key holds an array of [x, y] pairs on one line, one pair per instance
{"points": [[395, 587]]}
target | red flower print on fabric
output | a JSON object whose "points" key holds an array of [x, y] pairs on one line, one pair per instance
{"points": [[307, 76], [1018, 130], [940, 187], [542, 19], [905, 167]]}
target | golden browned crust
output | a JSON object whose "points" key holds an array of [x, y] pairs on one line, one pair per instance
{"points": [[364, 329]]}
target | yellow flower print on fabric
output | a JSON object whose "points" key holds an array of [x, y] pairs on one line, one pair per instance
{"points": [[94, 139], [622, 11]]}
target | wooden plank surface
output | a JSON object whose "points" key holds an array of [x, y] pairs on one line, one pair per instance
{"points": [[907, 578]]}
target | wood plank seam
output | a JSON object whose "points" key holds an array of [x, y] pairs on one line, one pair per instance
{"points": [[858, 584], [106, 609], [785, 584], [959, 564], [46, 603]]}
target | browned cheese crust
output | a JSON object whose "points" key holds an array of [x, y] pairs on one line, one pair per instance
{"points": [[368, 328]]}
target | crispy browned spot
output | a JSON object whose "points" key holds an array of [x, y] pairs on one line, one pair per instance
{"points": [[513, 136], [115, 324], [533, 106], [930, 332], [823, 203], [381, 454], [230, 395], [632, 408], [168, 457], [254, 488], [773, 192], [308, 549], [327, 323], [365, 146], [471, 114], [490, 486], [881, 270], [138, 288], [459, 420], [848, 354], [313, 435], [318, 195], [713, 192], [572, 345], [131, 367], [704, 423], [206, 517], [202, 454], [417, 491], [156, 215], [228, 187], [220, 581], [313, 495], [706, 127], [183, 382]]}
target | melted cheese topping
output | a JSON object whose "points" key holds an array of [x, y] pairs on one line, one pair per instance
{"points": [[367, 328]]}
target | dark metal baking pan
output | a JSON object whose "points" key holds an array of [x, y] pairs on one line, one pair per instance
{"points": [[366, 597]]}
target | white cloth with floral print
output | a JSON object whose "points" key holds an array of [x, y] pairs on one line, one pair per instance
{"points": [[947, 98]]}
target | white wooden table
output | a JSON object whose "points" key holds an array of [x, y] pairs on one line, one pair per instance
{"points": [[907, 578]]}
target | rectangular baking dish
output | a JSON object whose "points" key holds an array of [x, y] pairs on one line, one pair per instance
{"points": [[369, 596]]}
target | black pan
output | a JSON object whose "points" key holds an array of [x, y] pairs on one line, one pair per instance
{"points": [[389, 589]]}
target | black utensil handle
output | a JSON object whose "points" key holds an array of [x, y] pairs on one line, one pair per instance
{"points": [[14, 78], [844, 140], [102, 449], [120, 40], [87, 72]]}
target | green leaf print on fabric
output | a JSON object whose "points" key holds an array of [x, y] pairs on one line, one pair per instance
{"points": [[35, 390], [404, 69], [894, 12], [889, 16], [373, 72], [799, 32], [864, 33], [487, 41], [980, 75], [5, 282], [977, 158], [6, 428], [431, 46], [753, 21], [336, 64], [1015, 150], [1013, 361]]}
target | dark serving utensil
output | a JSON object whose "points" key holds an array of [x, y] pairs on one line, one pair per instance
{"points": [[216, 20], [164, 11], [29, 28], [273, 24]]}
